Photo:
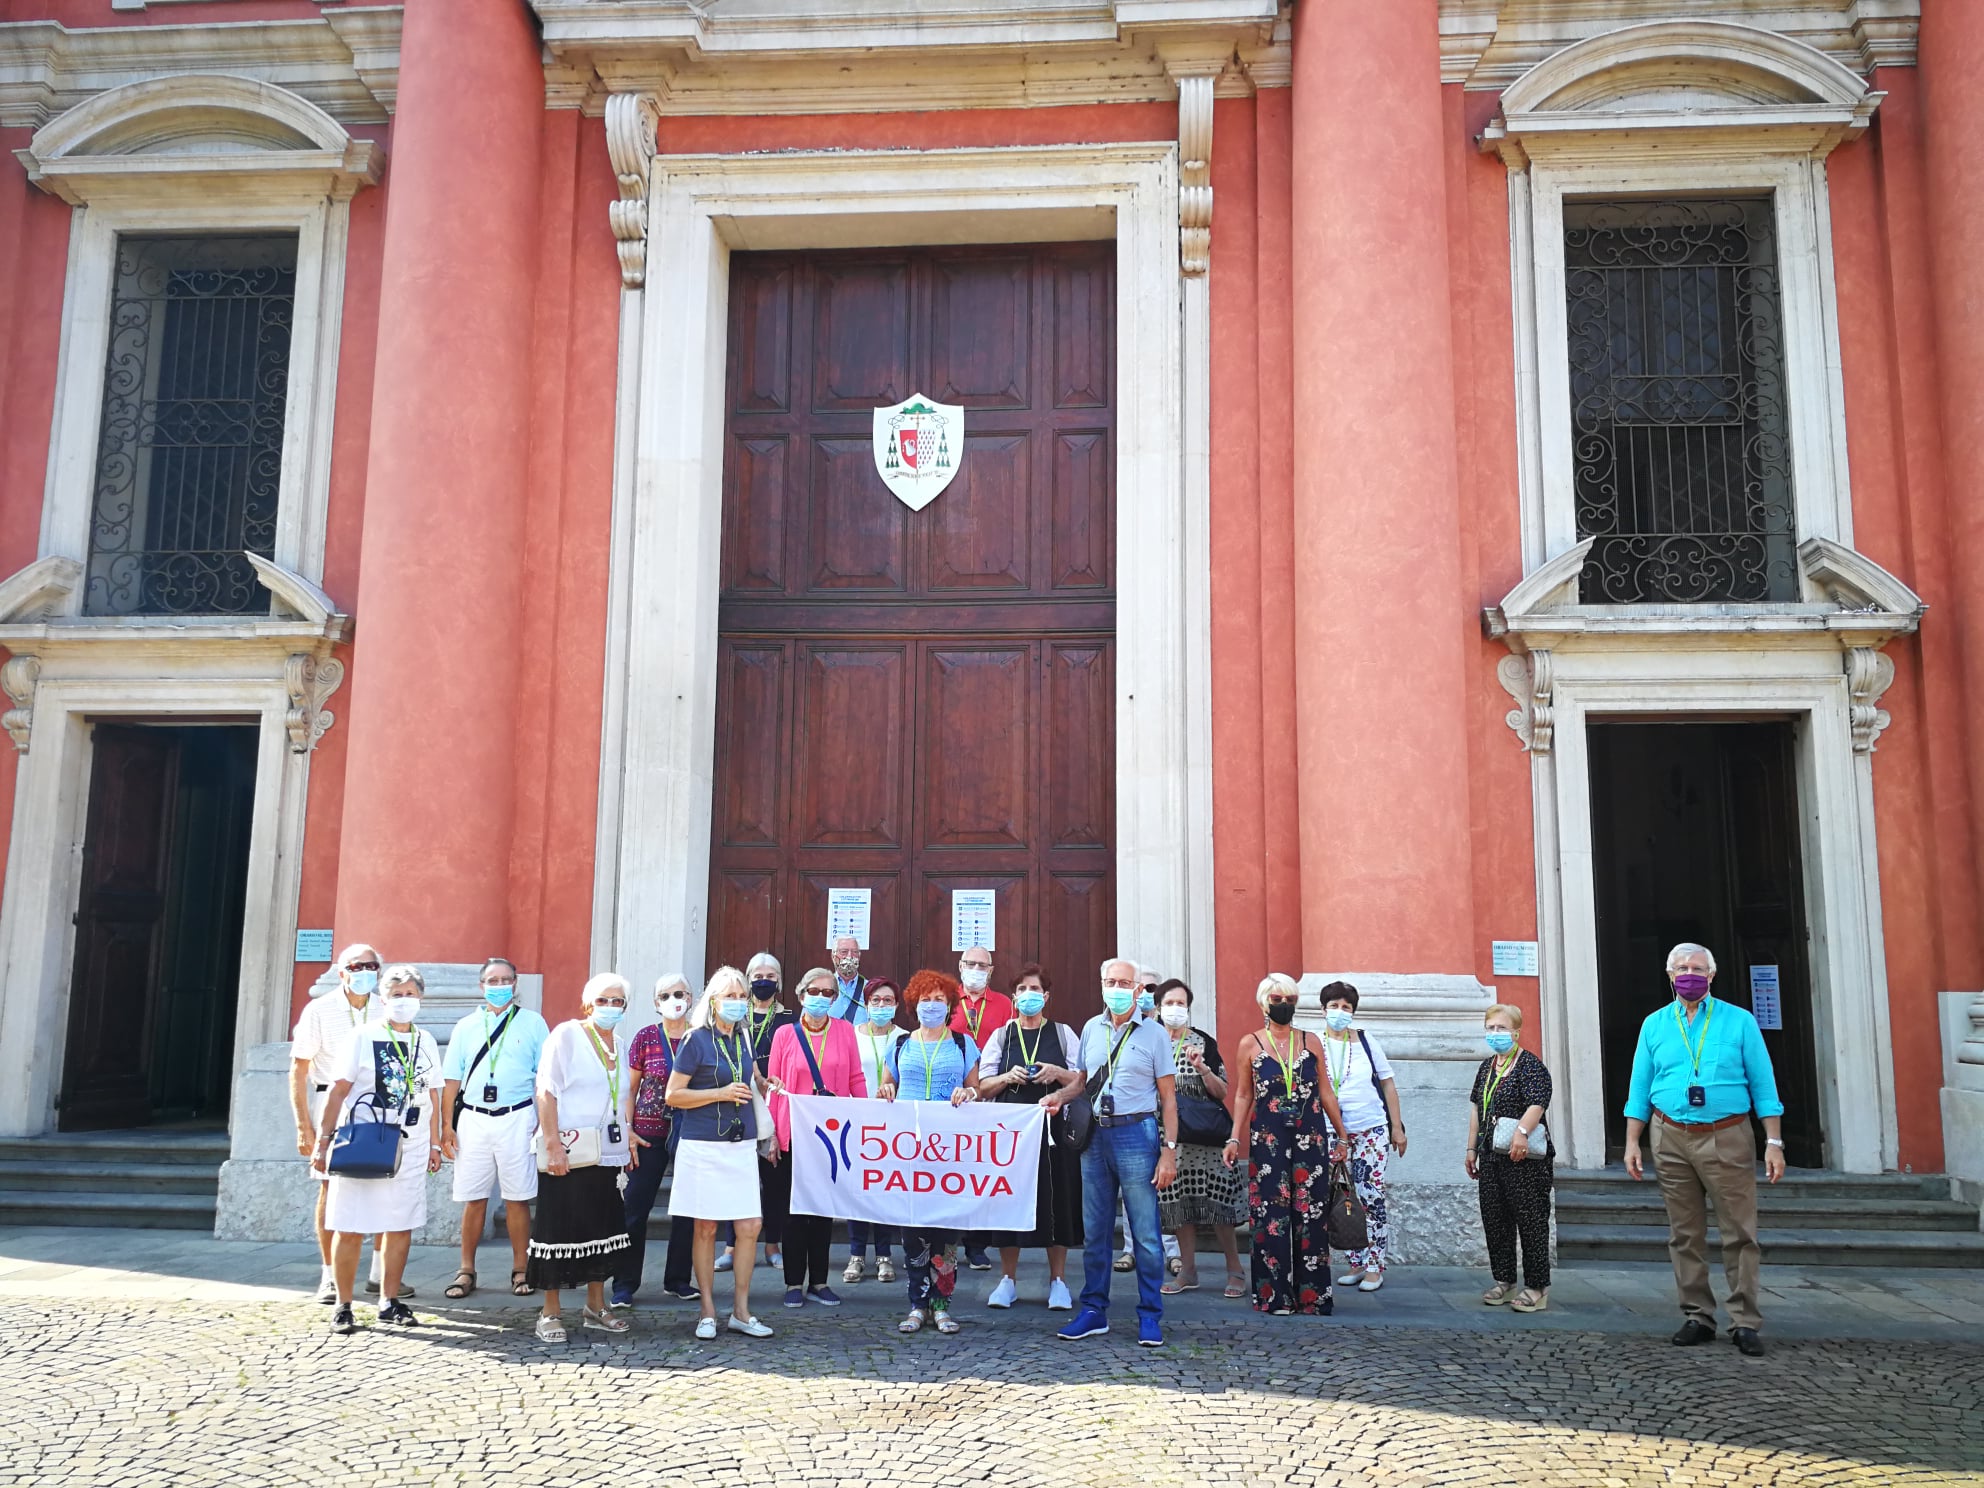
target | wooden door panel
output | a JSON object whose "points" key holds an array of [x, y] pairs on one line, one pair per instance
{"points": [[861, 321], [1082, 520], [1084, 334], [856, 532], [752, 738], [761, 328], [888, 925], [754, 513], [848, 760], [981, 321], [981, 528], [1012, 922], [1078, 778], [1077, 929], [975, 755], [743, 915]]}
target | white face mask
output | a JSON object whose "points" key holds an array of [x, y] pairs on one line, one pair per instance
{"points": [[674, 1007], [1174, 1016], [402, 1009], [975, 978]]}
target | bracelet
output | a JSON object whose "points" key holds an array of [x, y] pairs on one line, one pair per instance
{"points": [[1773, 1141]]}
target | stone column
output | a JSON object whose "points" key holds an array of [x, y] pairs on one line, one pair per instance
{"points": [[1381, 617], [424, 861]]}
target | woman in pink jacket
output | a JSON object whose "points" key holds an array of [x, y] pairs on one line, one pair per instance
{"points": [[823, 1043]]}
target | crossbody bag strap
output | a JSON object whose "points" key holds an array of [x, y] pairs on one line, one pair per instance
{"points": [[483, 1053], [1372, 1059], [806, 1048], [1092, 1087]]}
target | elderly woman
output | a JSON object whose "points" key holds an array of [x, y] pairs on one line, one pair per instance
{"points": [[875, 1035], [585, 1114], [1207, 1190], [1512, 1085], [1283, 1113], [933, 1063], [388, 1065], [761, 1025], [818, 1055], [1361, 1079], [650, 1061], [1031, 1061], [716, 1143]]}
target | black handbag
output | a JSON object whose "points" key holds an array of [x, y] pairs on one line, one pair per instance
{"points": [[366, 1148], [1075, 1121], [1203, 1122], [1350, 1226]]}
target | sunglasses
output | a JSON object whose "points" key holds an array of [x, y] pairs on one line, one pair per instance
{"points": [[609, 1002], [361, 966]]}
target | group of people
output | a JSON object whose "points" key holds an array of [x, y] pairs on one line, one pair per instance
{"points": [[585, 1124]]}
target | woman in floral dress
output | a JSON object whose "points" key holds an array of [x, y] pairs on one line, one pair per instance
{"points": [[1283, 1110]]}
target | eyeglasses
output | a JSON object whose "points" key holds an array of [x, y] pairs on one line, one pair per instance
{"points": [[1282, 1001], [361, 966], [1118, 984], [976, 965], [609, 1002]]}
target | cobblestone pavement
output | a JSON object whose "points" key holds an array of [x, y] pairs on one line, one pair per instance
{"points": [[144, 1392]]}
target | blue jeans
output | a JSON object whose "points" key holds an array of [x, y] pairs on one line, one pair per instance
{"points": [[1122, 1161], [860, 1233]]}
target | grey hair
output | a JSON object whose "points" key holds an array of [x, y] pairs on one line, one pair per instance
{"points": [[1118, 961], [350, 953], [766, 958], [723, 979], [605, 981], [392, 976], [667, 983], [817, 971], [1689, 948]]}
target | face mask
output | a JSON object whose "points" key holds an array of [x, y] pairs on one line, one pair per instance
{"points": [[674, 1007], [974, 978], [1146, 1002], [364, 983], [1030, 1004], [1499, 1039], [847, 967], [1692, 985], [733, 1009], [816, 1004], [1175, 1016], [881, 1016], [764, 988], [606, 1017], [500, 994], [932, 1014], [1281, 1012], [402, 1009], [1338, 1019], [1119, 1000]]}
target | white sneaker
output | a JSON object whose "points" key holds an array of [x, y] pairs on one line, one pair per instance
{"points": [[749, 1327], [1058, 1299], [1350, 1278], [885, 1269], [853, 1272], [1003, 1294], [1372, 1281], [327, 1286]]}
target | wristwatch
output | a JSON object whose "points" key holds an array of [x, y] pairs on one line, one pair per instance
{"points": [[1168, 1145]]}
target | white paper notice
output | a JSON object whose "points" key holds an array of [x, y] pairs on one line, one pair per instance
{"points": [[972, 914], [1514, 957], [847, 914], [1765, 1000]]}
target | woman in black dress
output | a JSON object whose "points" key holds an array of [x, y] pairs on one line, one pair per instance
{"points": [[1515, 1185]]}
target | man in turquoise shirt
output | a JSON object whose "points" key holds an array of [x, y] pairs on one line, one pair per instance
{"points": [[1699, 1073]]}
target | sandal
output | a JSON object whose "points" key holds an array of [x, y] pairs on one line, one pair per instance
{"points": [[604, 1322], [946, 1323], [1179, 1284], [913, 1323], [518, 1286], [1126, 1262], [461, 1286], [1533, 1301], [1235, 1287], [550, 1329], [1498, 1294]]}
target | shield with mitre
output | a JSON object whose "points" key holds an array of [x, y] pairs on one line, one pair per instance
{"points": [[918, 444]]}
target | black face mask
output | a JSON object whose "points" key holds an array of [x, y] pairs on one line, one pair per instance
{"points": [[1281, 1012], [764, 989]]}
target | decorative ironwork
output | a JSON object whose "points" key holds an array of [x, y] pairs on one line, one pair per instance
{"points": [[1681, 446], [189, 462]]}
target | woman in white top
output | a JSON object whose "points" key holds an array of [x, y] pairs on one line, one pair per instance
{"points": [[389, 1066], [585, 1105], [875, 1034], [1361, 1076]]}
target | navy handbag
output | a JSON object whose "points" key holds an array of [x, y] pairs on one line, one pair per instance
{"points": [[366, 1146]]}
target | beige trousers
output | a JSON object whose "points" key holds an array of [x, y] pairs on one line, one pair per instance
{"points": [[1696, 1167]]}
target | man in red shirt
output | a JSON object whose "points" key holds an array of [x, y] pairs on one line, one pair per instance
{"points": [[980, 1012]]}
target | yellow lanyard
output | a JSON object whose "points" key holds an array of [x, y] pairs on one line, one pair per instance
{"points": [[733, 1055], [405, 1057], [819, 1049], [758, 1025], [1695, 1051], [1026, 1054], [1495, 1080], [929, 1066], [612, 1064], [496, 1044], [1329, 1058], [874, 1050], [1287, 1060], [973, 1019]]}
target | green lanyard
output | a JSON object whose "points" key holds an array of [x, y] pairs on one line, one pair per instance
{"points": [[759, 1025], [1122, 1043], [973, 1019], [1026, 1054], [612, 1064], [1329, 1060], [405, 1057], [1287, 1060], [819, 1048], [929, 1066], [1495, 1080], [496, 1044], [1695, 1050], [874, 1051]]}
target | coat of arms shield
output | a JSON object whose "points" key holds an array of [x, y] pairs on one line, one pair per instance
{"points": [[918, 444]]}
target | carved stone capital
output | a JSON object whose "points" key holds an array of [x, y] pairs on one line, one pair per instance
{"points": [[310, 683], [631, 121], [1195, 93], [1527, 678], [1869, 673], [19, 677]]}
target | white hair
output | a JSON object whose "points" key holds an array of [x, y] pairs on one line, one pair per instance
{"points": [[350, 953], [393, 976], [1689, 948], [665, 984], [724, 979], [766, 958], [1276, 981], [1119, 961], [605, 981]]}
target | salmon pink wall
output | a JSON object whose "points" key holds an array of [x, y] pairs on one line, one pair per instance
{"points": [[81, 13], [1084, 124]]}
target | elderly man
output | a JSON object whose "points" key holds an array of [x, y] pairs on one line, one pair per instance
{"points": [[318, 1048], [489, 1118], [1134, 1154], [1699, 1072], [850, 986]]}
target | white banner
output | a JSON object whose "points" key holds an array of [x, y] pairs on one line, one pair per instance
{"points": [[920, 1165]]}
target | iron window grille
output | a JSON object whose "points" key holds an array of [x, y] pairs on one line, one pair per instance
{"points": [[1681, 445], [189, 460]]}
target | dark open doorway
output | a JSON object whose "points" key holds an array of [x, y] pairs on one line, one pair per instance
{"points": [[1695, 837], [158, 925]]}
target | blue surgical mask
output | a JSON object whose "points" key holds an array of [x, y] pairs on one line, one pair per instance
{"points": [[882, 1016], [1339, 1019], [1146, 1001], [1499, 1039], [365, 983], [499, 994], [1119, 1000], [1030, 1004], [816, 1004], [606, 1017], [933, 1014], [733, 1009]]}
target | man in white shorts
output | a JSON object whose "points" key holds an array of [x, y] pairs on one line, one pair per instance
{"points": [[489, 1118], [318, 1049]]}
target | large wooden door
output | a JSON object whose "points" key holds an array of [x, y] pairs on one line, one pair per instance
{"points": [[916, 702]]}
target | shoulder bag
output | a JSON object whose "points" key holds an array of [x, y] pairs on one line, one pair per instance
{"points": [[581, 1147], [1202, 1121], [367, 1145], [1350, 1226], [1076, 1119]]}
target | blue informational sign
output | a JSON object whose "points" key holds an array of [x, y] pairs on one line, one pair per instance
{"points": [[314, 945]]}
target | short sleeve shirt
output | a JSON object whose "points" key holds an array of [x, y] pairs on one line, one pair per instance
{"points": [[323, 1034], [1146, 1059], [572, 1072], [1350, 1071], [397, 1070], [512, 1062], [711, 1061], [932, 1069]]}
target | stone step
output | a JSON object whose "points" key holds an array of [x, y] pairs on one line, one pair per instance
{"points": [[1611, 1243], [200, 1149], [1776, 1208], [156, 1211], [1802, 1182], [50, 1178]]}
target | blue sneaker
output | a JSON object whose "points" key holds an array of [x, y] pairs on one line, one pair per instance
{"points": [[622, 1301], [1085, 1324], [1148, 1334]]}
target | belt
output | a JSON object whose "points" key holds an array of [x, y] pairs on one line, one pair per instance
{"points": [[1702, 1125], [504, 1112], [1126, 1118]]}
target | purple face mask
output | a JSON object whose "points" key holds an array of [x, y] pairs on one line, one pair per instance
{"points": [[1692, 985]]}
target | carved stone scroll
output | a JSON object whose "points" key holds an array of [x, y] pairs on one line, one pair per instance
{"points": [[631, 121], [1195, 173], [19, 677], [310, 683], [1527, 679], [1869, 673]]}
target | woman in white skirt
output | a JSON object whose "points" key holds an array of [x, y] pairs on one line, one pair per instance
{"points": [[395, 1064], [716, 1151], [585, 1103]]}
